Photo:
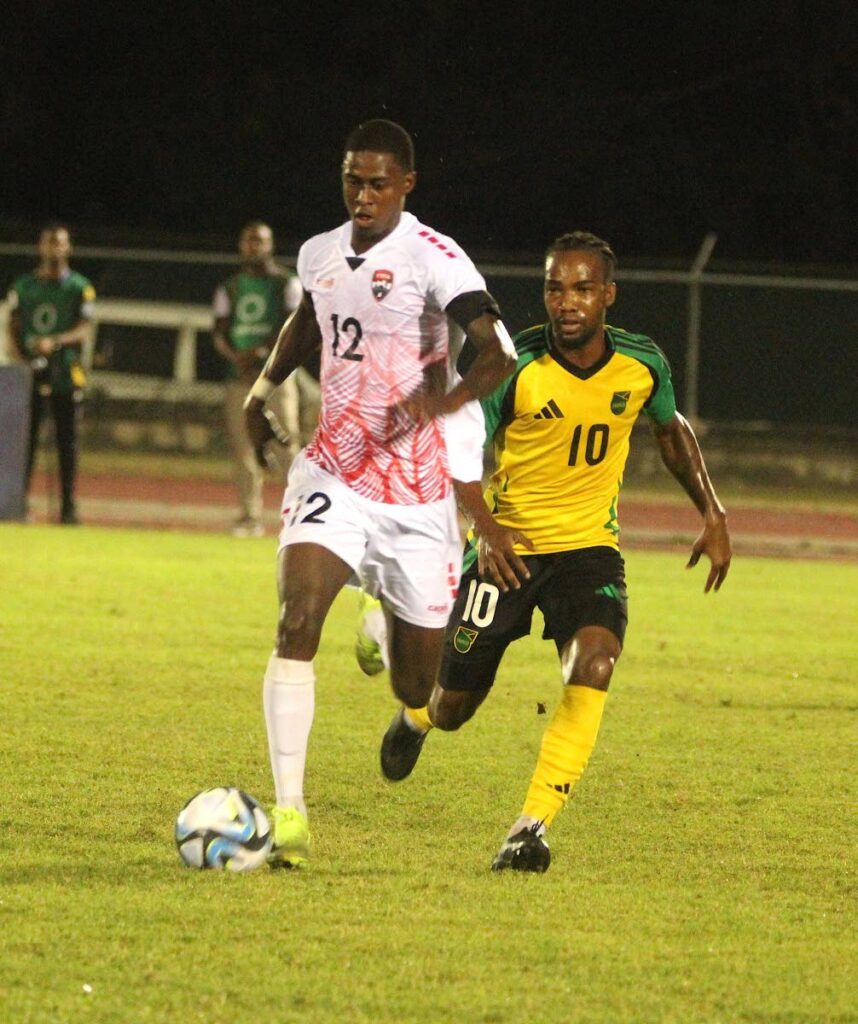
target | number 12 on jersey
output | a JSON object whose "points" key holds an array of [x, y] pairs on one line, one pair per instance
{"points": [[349, 330]]}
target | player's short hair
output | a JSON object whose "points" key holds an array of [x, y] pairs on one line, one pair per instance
{"points": [[381, 136], [254, 225], [53, 226], [575, 240]]}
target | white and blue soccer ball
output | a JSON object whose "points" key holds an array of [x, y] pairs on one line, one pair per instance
{"points": [[223, 828]]}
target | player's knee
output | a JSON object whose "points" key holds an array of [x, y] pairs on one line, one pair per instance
{"points": [[595, 671], [449, 711], [298, 627]]}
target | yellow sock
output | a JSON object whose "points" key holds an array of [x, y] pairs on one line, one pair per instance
{"points": [[566, 748], [419, 718]]}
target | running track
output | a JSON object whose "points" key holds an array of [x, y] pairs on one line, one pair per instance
{"points": [[209, 505]]}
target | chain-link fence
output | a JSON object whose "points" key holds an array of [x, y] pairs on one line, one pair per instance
{"points": [[776, 353]]}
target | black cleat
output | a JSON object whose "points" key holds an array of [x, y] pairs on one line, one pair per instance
{"points": [[525, 851], [400, 748]]}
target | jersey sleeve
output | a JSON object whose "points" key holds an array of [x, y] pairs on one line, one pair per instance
{"points": [[495, 406], [221, 306], [465, 432], [87, 301], [302, 266], [661, 404], [452, 273], [292, 293]]}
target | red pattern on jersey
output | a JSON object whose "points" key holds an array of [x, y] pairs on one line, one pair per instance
{"points": [[437, 243], [366, 439]]}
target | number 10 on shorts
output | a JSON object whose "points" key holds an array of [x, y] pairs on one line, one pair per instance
{"points": [[481, 603]]}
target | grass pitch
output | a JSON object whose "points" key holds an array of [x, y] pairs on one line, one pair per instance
{"points": [[700, 872]]}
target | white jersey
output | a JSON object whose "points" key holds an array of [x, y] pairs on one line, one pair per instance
{"points": [[385, 338]]}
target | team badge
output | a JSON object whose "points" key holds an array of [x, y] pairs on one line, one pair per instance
{"points": [[382, 282], [464, 639], [620, 401]]}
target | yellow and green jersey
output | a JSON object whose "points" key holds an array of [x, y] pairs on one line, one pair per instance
{"points": [[49, 306], [561, 437]]}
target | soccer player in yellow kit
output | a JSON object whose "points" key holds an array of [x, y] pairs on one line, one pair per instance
{"points": [[546, 535]]}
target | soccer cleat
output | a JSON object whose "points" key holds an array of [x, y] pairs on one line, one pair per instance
{"points": [[400, 748], [525, 851], [290, 845], [367, 651]]}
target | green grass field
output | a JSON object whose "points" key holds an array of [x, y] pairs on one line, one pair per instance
{"points": [[701, 871]]}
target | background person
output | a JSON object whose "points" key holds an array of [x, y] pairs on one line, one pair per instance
{"points": [[49, 319], [249, 310]]}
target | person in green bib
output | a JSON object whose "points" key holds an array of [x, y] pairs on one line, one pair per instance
{"points": [[49, 319], [249, 310]]}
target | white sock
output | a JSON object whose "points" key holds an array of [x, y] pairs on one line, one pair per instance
{"points": [[375, 627], [288, 697], [525, 822]]}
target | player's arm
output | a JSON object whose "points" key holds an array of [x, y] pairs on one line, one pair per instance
{"points": [[47, 344], [244, 362], [491, 356], [74, 337], [496, 556], [465, 433], [494, 361], [299, 338], [681, 453], [220, 339], [15, 333]]}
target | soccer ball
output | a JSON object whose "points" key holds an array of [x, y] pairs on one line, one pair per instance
{"points": [[223, 828]]}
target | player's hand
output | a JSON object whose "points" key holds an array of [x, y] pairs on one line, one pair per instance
{"points": [[714, 541], [247, 366], [46, 346], [496, 556], [423, 407], [262, 429]]}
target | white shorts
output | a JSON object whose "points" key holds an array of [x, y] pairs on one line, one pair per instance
{"points": [[409, 554]]}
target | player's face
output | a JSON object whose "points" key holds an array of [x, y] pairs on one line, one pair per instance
{"points": [[54, 246], [256, 245], [576, 297], [374, 190]]}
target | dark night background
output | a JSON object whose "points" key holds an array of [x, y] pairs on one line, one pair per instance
{"points": [[649, 123]]}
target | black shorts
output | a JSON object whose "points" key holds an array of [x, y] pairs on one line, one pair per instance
{"points": [[572, 589]]}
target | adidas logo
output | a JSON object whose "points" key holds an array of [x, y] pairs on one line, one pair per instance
{"points": [[552, 411]]}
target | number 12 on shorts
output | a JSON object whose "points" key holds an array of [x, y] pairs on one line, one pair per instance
{"points": [[481, 603], [314, 514]]}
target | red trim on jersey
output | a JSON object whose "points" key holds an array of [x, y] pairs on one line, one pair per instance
{"points": [[437, 243]]}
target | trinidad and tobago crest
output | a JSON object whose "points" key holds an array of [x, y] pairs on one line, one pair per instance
{"points": [[619, 402], [382, 282]]}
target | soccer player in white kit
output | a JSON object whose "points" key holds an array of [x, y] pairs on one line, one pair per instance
{"points": [[387, 300]]}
